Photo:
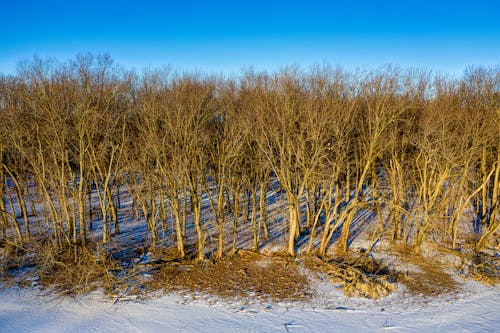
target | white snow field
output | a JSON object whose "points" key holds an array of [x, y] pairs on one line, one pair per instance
{"points": [[474, 309]]}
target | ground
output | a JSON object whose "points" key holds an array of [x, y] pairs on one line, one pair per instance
{"points": [[474, 309]]}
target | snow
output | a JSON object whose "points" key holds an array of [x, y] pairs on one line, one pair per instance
{"points": [[476, 309]]}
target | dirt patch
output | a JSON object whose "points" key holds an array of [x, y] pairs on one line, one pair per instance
{"points": [[242, 276]]}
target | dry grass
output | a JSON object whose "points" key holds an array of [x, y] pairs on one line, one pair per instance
{"points": [[245, 275], [13, 262], [77, 269], [431, 279], [66, 270], [359, 274], [483, 268]]}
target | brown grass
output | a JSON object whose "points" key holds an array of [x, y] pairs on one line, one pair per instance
{"points": [[77, 269], [359, 274], [245, 275], [12, 259], [431, 279], [67, 270], [482, 268]]}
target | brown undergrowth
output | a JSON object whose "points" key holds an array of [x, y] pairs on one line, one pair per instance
{"points": [[359, 274], [481, 267], [77, 269], [484, 268], [13, 261], [244, 275], [69, 269], [431, 278]]}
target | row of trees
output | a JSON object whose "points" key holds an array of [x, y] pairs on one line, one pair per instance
{"points": [[420, 150]]}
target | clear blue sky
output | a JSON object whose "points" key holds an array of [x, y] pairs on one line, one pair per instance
{"points": [[218, 36]]}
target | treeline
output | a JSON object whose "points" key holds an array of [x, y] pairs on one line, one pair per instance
{"points": [[422, 151]]}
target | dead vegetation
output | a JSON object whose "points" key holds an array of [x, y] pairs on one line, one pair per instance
{"points": [[76, 270], [482, 268], [13, 259], [243, 276], [431, 279], [359, 274], [70, 270]]}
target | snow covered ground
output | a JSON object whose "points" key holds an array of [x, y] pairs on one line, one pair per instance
{"points": [[476, 309]]}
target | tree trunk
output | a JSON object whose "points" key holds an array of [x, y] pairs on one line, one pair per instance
{"points": [[293, 223]]}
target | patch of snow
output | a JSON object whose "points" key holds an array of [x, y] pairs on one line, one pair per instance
{"points": [[475, 309]]}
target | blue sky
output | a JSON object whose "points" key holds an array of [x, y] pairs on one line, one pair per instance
{"points": [[218, 36]]}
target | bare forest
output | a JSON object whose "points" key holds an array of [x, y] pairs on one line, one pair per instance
{"points": [[100, 166]]}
